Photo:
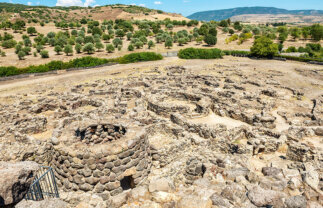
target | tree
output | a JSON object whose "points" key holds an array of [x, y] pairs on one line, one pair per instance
{"points": [[305, 32], [27, 50], [151, 44], [295, 32], [116, 42], [68, 49], [169, 42], [282, 37], [44, 54], [99, 45], [31, 30], [105, 37], [58, 49], [231, 31], [210, 40], [120, 33], [78, 48], [18, 48], [316, 32], [21, 55], [9, 43], [131, 47], [223, 23], [109, 48], [181, 41], [139, 44], [204, 29], [129, 36], [89, 48], [264, 47]]}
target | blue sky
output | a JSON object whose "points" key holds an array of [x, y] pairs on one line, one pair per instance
{"points": [[185, 7]]}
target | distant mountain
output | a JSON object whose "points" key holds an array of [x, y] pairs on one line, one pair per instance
{"points": [[227, 13]]}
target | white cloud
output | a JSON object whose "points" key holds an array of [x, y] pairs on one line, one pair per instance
{"points": [[29, 3], [75, 3], [142, 5], [158, 2]]}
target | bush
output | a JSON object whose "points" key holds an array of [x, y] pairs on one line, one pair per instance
{"points": [[9, 43], [89, 48], [78, 48], [291, 49], [236, 53], [68, 49], [264, 47], [44, 54], [151, 44], [138, 57], [58, 49], [314, 46], [131, 47], [195, 53], [79, 62], [109, 48], [210, 40], [21, 55]]}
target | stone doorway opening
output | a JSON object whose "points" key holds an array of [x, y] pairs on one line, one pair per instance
{"points": [[127, 183]]}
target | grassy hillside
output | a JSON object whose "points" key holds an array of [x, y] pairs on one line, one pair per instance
{"points": [[228, 13], [74, 13]]}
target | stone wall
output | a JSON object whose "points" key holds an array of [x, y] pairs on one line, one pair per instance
{"points": [[120, 166]]}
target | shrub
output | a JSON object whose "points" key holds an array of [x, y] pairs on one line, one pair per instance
{"points": [[316, 32], [109, 48], [138, 57], [68, 49], [99, 45], [116, 42], [151, 44], [131, 47], [210, 40], [21, 55], [169, 42], [27, 50], [264, 47], [78, 48], [44, 54], [195, 53], [31, 30], [9, 43], [291, 49], [314, 46], [89, 48], [58, 49]]}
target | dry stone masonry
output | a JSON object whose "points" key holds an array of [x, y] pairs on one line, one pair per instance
{"points": [[174, 136]]}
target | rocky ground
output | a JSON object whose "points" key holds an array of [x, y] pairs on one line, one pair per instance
{"points": [[234, 132]]}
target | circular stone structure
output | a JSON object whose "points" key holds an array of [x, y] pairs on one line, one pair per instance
{"points": [[101, 157]]}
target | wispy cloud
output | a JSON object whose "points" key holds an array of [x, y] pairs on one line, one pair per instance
{"points": [[158, 2], [86, 3]]}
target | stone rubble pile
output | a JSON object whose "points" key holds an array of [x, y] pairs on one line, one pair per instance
{"points": [[173, 137]]}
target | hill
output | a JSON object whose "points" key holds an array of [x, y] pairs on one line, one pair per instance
{"points": [[108, 12], [228, 13]]}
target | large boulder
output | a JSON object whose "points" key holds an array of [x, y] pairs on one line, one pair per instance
{"points": [[262, 197], [15, 180]]}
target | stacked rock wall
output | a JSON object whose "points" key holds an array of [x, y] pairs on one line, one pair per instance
{"points": [[122, 166]]}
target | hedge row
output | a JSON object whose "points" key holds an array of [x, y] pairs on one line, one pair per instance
{"points": [[197, 53], [236, 53], [302, 59], [139, 57], [87, 61]]}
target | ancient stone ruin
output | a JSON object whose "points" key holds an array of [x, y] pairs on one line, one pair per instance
{"points": [[174, 137]]}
